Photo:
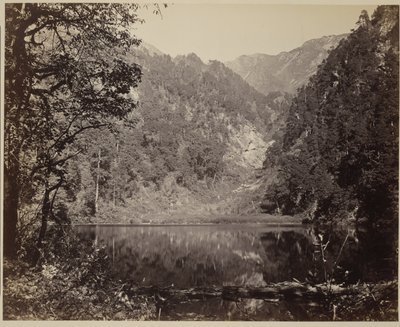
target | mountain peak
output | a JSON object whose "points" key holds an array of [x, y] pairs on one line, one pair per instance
{"points": [[190, 59]]}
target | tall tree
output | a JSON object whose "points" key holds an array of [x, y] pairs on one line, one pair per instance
{"points": [[65, 72]]}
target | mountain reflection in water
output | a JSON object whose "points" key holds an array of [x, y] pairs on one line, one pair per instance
{"points": [[245, 255]]}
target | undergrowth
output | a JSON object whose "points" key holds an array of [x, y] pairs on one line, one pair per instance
{"points": [[71, 281]]}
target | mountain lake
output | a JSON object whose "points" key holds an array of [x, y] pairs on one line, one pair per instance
{"points": [[213, 272]]}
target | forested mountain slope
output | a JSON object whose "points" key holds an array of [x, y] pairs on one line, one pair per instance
{"points": [[286, 71], [338, 157], [199, 132]]}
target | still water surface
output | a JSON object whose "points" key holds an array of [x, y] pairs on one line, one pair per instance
{"points": [[243, 255]]}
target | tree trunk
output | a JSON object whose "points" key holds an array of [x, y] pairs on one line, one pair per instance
{"points": [[213, 181], [115, 175], [17, 93], [11, 202], [96, 199], [278, 207], [46, 207], [114, 194]]}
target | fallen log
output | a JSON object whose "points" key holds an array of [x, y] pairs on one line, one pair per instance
{"points": [[377, 301], [276, 291]]}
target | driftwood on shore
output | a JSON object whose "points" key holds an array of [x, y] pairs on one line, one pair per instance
{"points": [[274, 292]]}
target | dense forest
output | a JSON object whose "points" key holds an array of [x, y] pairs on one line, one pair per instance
{"points": [[338, 156]]}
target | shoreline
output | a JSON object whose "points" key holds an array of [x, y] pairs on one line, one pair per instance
{"points": [[180, 219]]}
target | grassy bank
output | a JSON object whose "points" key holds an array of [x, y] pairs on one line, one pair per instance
{"points": [[225, 202]]}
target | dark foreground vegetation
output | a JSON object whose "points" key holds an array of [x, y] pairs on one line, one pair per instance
{"points": [[72, 283]]}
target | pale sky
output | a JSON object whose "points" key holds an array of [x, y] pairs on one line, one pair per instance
{"points": [[226, 31]]}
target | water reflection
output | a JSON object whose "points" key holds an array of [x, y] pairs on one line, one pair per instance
{"points": [[249, 255]]}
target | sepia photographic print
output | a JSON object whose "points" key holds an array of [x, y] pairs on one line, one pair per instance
{"points": [[199, 161]]}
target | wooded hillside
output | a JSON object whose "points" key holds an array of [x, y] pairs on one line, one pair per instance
{"points": [[338, 156]]}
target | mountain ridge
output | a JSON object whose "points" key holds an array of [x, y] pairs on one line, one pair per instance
{"points": [[286, 71]]}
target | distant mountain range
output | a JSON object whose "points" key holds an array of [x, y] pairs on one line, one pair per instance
{"points": [[286, 71]]}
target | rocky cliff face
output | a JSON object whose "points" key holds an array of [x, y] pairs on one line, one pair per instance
{"points": [[286, 71], [246, 147]]}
